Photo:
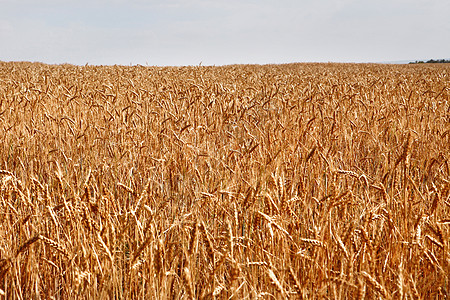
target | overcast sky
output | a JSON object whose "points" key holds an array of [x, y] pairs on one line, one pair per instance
{"points": [[187, 32]]}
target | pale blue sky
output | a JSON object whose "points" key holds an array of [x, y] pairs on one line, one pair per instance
{"points": [[187, 32]]}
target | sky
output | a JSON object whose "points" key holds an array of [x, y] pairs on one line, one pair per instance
{"points": [[221, 32]]}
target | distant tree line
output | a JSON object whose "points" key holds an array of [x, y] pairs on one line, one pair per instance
{"points": [[431, 61]]}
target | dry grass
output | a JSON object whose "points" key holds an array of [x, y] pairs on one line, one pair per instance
{"points": [[301, 181]]}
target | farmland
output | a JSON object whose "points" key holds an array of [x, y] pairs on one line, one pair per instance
{"points": [[299, 181]]}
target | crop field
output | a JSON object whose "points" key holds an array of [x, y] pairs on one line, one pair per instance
{"points": [[300, 181]]}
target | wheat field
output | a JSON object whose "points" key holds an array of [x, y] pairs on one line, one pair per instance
{"points": [[300, 181]]}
